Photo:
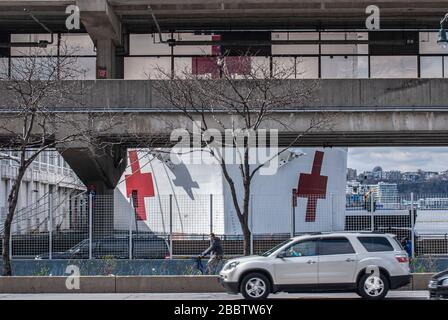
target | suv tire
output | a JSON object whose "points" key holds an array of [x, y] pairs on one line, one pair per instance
{"points": [[255, 286], [373, 287]]}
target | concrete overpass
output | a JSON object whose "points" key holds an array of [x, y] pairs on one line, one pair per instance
{"points": [[108, 22], [176, 15], [369, 112]]}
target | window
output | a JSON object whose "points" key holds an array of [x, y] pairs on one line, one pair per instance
{"points": [[50, 50], [376, 244], [445, 67], [295, 48], [431, 67], [241, 38], [4, 68], [345, 67], [330, 246], [148, 44], [284, 67], [192, 50], [144, 68], [393, 66], [86, 68], [393, 42], [428, 44], [306, 248], [78, 44], [5, 38], [307, 67]]}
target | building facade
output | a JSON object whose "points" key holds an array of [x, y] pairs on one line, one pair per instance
{"points": [[48, 177]]}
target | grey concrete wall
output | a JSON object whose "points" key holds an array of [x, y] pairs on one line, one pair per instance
{"points": [[138, 284]]}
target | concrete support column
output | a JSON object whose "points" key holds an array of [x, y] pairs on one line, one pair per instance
{"points": [[103, 210], [101, 168], [105, 59], [104, 27]]}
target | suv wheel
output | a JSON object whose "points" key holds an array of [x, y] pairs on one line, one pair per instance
{"points": [[373, 287], [255, 286]]}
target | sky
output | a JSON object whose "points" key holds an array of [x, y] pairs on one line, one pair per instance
{"points": [[403, 158]]}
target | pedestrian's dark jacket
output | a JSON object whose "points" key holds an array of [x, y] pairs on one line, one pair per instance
{"points": [[215, 248]]}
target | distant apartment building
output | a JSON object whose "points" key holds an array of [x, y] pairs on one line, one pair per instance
{"points": [[49, 174], [351, 174], [387, 192], [394, 175]]}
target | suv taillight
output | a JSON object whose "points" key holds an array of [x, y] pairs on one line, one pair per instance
{"points": [[402, 259]]}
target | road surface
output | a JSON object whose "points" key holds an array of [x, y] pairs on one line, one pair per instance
{"points": [[408, 295]]}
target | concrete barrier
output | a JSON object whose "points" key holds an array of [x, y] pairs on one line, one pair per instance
{"points": [[138, 284], [420, 280], [56, 284], [168, 284]]}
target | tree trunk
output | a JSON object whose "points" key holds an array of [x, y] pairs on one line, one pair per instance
{"points": [[12, 205], [246, 240], [7, 270]]}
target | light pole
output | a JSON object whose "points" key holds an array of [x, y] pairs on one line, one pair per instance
{"points": [[442, 38]]}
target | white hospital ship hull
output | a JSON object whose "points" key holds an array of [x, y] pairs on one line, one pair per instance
{"points": [[201, 199]]}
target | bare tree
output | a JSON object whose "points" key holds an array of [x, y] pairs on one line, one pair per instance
{"points": [[32, 88], [250, 94]]}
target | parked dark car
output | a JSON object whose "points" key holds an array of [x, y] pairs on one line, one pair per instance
{"points": [[117, 246], [438, 286]]}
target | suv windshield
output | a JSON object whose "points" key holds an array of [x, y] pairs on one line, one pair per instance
{"points": [[80, 245], [270, 251]]}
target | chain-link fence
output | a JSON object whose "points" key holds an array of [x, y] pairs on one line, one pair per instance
{"points": [[88, 226]]}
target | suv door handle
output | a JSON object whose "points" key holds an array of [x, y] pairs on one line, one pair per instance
{"points": [[350, 260], [311, 262]]}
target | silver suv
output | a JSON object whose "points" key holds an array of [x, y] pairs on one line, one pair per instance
{"points": [[366, 263]]}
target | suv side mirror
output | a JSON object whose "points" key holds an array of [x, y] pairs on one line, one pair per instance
{"points": [[281, 255]]}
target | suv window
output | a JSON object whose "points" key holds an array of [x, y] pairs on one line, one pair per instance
{"points": [[114, 246], [329, 246], [376, 244], [306, 248]]}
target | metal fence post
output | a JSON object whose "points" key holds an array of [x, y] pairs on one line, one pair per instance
{"points": [[412, 226], [292, 219], [372, 218], [211, 213], [90, 224], [131, 214], [251, 225], [10, 243], [50, 225], [332, 211], [171, 226]]}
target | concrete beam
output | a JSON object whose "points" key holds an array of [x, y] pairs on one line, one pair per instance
{"points": [[367, 112], [100, 20], [234, 15]]}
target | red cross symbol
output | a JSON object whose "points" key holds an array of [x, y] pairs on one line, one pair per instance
{"points": [[206, 65], [140, 182], [313, 186]]}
